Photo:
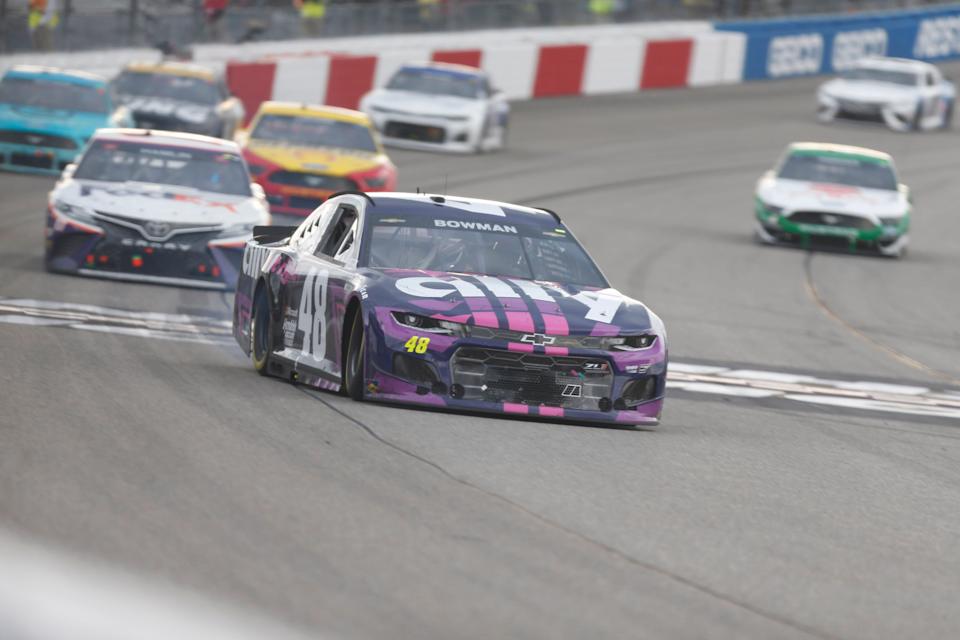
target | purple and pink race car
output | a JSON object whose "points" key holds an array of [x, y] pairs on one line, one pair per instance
{"points": [[448, 302]]}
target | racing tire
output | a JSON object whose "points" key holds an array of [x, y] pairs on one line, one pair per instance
{"points": [[353, 363], [948, 117], [915, 122], [261, 334]]}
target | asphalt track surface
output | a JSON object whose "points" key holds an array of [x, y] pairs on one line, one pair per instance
{"points": [[733, 519]]}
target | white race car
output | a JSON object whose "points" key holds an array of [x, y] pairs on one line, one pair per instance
{"points": [[440, 106], [904, 94], [163, 207], [831, 195]]}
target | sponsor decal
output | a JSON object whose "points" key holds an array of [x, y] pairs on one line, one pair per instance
{"points": [[602, 306], [170, 246], [938, 38], [572, 391], [253, 258], [851, 46], [475, 226], [794, 55]]}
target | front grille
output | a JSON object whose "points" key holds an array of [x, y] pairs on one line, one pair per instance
{"points": [[861, 109], [570, 342], [158, 233], [418, 132], [30, 160], [35, 139], [312, 181], [829, 219], [495, 375]]}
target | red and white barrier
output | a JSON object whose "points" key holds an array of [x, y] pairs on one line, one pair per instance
{"points": [[602, 61]]}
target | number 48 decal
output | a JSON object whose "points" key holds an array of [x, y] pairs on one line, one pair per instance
{"points": [[310, 316], [417, 344]]}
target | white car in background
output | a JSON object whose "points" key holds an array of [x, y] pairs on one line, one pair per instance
{"points": [[904, 94], [440, 106]]}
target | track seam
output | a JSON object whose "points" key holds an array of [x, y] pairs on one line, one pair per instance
{"points": [[687, 582], [897, 355]]}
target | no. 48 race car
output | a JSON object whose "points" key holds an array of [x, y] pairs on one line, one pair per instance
{"points": [[448, 302]]}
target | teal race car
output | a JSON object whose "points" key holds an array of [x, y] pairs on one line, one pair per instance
{"points": [[47, 115]]}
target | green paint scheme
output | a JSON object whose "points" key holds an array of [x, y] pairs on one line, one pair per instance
{"points": [[873, 234], [839, 154]]}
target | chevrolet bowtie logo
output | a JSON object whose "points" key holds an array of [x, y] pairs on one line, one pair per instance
{"points": [[538, 339]]}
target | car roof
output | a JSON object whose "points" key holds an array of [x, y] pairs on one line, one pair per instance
{"points": [[462, 69], [458, 207], [56, 75], [893, 64], [314, 111], [168, 138], [184, 69], [825, 147]]}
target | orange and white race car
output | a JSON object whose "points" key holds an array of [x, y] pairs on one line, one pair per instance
{"points": [[303, 154]]}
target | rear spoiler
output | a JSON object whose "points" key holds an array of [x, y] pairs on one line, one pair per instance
{"points": [[263, 234]]}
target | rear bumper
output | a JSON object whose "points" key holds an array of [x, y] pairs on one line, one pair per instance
{"points": [[29, 159]]}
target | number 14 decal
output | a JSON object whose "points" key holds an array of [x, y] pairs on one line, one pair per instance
{"points": [[312, 312]]}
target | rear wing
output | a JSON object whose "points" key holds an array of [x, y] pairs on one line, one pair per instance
{"points": [[263, 234]]}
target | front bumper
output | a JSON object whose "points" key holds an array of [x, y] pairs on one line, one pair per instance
{"points": [[480, 375], [427, 134], [106, 251], [294, 202], [896, 117], [777, 228], [24, 158]]}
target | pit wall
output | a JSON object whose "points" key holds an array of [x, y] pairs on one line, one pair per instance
{"points": [[829, 44]]}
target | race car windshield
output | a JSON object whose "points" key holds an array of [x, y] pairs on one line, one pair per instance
{"points": [[313, 132], [840, 169], [210, 171], [513, 251], [65, 96], [165, 85], [437, 82], [889, 76]]}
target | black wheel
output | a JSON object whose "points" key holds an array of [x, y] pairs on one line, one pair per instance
{"points": [[948, 116], [915, 123], [353, 373], [261, 333]]}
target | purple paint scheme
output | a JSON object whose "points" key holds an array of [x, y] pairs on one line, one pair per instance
{"points": [[477, 336]]}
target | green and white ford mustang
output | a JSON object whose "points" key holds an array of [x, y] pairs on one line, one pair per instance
{"points": [[829, 195]]}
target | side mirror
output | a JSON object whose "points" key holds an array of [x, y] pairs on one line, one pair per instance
{"points": [[68, 171], [258, 191]]}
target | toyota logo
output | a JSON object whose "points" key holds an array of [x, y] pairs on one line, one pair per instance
{"points": [[538, 339], [157, 230]]}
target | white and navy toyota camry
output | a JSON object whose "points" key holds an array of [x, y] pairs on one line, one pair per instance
{"points": [[452, 303], [906, 95], [163, 207]]}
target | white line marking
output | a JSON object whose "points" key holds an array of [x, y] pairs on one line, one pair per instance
{"points": [[722, 389]]}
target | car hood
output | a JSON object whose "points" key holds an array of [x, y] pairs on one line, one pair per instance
{"points": [[330, 161], [161, 203], [510, 303], [798, 195], [867, 91], [62, 122], [187, 112], [422, 104]]}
